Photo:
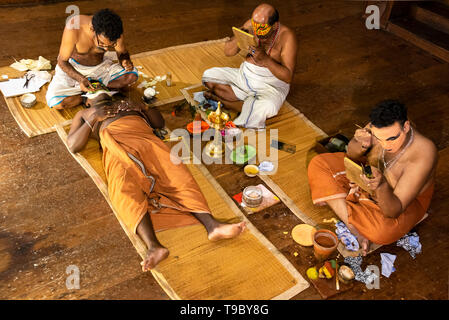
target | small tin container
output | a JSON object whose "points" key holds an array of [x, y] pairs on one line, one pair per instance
{"points": [[252, 196], [28, 100]]}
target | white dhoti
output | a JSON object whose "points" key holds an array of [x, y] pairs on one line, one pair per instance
{"points": [[63, 85], [261, 92]]}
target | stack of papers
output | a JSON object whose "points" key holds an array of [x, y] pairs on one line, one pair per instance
{"points": [[14, 87]]}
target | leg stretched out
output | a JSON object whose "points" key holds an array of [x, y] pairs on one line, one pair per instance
{"points": [[157, 252]]}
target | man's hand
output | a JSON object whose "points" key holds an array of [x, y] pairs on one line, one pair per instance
{"points": [[86, 86], [364, 137], [127, 64], [259, 55], [375, 181], [100, 114]]}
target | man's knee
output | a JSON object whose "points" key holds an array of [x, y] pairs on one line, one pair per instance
{"points": [[208, 75], [317, 164], [207, 72]]}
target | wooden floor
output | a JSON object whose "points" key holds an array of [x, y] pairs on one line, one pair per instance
{"points": [[53, 216]]}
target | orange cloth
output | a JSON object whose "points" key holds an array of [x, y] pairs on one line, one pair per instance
{"points": [[327, 180], [175, 189]]}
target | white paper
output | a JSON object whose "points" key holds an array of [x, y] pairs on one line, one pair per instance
{"points": [[14, 87]]}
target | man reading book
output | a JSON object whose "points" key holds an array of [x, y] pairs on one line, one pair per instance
{"points": [[403, 164], [259, 87]]}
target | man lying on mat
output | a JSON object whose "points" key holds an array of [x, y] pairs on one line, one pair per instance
{"points": [[259, 87], [403, 164], [82, 59], [147, 190]]}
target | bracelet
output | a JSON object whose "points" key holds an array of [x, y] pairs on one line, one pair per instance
{"points": [[91, 129]]}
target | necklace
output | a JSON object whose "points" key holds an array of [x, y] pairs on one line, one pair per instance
{"points": [[389, 164], [274, 39]]}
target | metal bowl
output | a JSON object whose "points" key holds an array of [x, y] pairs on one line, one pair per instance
{"points": [[28, 100]]}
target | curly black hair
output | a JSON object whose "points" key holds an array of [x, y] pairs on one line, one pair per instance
{"points": [[107, 23], [387, 112]]}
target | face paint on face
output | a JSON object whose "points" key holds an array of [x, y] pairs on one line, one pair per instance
{"points": [[261, 29], [390, 138]]}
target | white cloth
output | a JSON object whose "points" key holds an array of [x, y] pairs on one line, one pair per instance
{"points": [[261, 92], [64, 86], [387, 261]]}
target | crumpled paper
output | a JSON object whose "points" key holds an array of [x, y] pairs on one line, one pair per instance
{"points": [[152, 81], [29, 64], [266, 166], [387, 261], [410, 242], [348, 239], [355, 264]]}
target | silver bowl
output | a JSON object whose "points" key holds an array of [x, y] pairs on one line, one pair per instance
{"points": [[28, 100]]}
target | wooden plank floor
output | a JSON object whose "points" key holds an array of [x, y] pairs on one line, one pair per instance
{"points": [[52, 215]]}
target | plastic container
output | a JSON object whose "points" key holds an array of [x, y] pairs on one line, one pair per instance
{"points": [[168, 79], [252, 196]]}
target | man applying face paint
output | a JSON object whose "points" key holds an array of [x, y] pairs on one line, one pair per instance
{"points": [[403, 164], [260, 86]]}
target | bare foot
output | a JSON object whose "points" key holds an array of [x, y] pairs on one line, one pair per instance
{"points": [[363, 242], [154, 256], [226, 231]]}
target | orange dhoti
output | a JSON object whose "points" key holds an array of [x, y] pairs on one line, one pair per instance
{"points": [[327, 179], [129, 143]]}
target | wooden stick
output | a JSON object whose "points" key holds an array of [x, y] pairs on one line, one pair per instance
{"points": [[337, 283]]}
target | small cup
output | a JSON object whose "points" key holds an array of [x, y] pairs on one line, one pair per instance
{"points": [[251, 170], [28, 100], [324, 244]]}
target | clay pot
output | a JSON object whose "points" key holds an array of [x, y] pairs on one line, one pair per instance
{"points": [[324, 244]]}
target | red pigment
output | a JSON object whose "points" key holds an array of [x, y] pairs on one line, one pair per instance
{"points": [[325, 241]]}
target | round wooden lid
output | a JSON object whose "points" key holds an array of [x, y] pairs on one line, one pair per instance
{"points": [[303, 234]]}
